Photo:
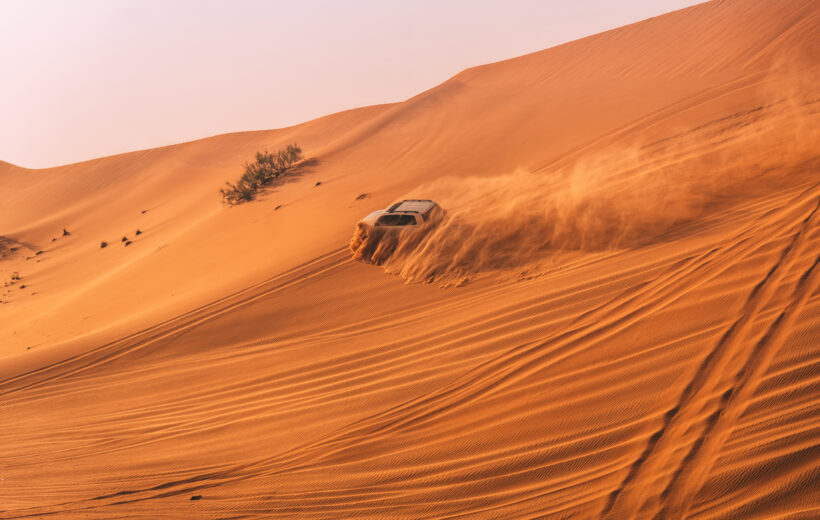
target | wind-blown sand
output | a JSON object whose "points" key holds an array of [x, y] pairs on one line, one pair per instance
{"points": [[634, 229]]}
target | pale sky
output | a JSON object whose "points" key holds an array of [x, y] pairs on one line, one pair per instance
{"points": [[85, 78]]}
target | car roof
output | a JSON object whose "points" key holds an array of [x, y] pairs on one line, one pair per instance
{"points": [[412, 206]]}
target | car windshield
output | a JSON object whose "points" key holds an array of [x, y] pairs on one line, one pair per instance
{"points": [[396, 220]]}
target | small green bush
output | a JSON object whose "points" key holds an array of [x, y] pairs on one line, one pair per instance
{"points": [[267, 168]]}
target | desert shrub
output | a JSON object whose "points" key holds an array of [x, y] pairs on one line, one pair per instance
{"points": [[267, 168]]}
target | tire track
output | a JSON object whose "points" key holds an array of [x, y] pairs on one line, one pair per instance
{"points": [[641, 483], [692, 476], [174, 326], [598, 325], [523, 360]]}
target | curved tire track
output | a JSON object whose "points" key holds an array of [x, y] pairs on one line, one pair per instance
{"points": [[641, 483]]}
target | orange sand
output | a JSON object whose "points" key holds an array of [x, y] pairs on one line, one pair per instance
{"points": [[634, 229]]}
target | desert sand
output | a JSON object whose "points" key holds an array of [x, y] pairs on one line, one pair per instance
{"points": [[618, 318]]}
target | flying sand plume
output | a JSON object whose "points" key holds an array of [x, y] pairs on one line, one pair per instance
{"points": [[621, 199]]}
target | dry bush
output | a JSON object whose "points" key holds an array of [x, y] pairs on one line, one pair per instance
{"points": [[266, 169]]}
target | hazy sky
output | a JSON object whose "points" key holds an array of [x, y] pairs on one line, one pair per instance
{"points": [[85, 78]]}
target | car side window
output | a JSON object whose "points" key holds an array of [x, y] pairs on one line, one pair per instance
{"points": [[386, 220], [396, 220]]}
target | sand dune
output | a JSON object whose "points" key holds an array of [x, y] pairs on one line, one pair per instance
{"points": [[634, 229]]}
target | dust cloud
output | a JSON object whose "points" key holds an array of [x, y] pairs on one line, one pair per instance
{"points": [[621, 198]]}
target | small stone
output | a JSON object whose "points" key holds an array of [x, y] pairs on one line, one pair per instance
{"points": [[65, 232], [138, 232], [103, 244], [196, 497], [127, 243], [317, 184]]}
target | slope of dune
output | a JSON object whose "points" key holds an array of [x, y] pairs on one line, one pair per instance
{"points": [[622, 319]]}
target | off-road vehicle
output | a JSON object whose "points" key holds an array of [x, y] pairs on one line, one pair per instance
{"points": [[404, 214]]}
